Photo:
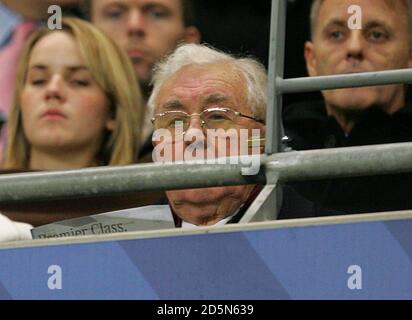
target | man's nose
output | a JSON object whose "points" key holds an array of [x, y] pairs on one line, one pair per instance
{"points": [[136, 23], [55, 88], [195, 129], [195, 122], [355, 45]]}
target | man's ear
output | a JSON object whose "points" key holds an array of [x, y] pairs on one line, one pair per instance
{"points": [[310, 59], [192, 35]]}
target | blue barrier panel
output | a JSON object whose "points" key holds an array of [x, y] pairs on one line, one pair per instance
{"points": [[363, 260]]}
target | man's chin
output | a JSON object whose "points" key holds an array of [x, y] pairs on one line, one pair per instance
{"points": [[197, 196], [351, 100], [143, 72]]}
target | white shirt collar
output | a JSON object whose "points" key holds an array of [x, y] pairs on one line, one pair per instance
{"points": [[188, 225]]}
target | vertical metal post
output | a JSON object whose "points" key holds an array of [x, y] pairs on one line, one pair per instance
{"points": [[276, 64], [268, 203]]}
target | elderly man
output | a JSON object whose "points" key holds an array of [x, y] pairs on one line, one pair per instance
{"points": [[356, 116], [210, 95], [201, 89]]}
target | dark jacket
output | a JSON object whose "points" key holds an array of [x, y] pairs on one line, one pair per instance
{"points": [[309, 127]]}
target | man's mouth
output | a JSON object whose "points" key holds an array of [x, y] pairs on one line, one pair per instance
{"points": [[353, 69], [135, 55]]}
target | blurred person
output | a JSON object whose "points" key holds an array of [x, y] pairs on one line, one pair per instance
{"points": [[356, 116], [76, 112], [148, 30]]}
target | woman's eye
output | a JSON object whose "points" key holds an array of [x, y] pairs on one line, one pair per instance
{"points": [[81, 83], [38, 82]]}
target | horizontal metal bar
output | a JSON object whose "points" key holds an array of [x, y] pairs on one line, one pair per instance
{"points": [[290, 166], [116, 180], [342, 162], [341, 81]]}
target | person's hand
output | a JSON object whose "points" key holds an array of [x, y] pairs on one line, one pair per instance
{"points": [[13, 231]]}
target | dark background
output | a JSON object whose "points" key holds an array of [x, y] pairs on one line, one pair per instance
{"points": [[243, 27]]}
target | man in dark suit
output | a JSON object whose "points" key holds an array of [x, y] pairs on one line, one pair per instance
{"points": [[356, 116]]}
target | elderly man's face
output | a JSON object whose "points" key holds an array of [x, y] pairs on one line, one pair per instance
{"points": [[381, 44], [147, 29], [194, 89]]}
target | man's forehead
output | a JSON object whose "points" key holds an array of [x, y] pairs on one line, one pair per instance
{"points": [[221, 73], [205, 85], [204, 80], [179, 99], [384, 10], [211, 98], [139, 3]]}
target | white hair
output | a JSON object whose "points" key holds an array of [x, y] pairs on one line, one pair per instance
{"points": [[195, 54]]}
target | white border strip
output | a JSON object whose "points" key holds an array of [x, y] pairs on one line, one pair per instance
{"points": [[348, 219]]}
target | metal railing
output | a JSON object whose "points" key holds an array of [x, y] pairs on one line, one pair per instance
{"points": [[288, 166], [276, 166]]}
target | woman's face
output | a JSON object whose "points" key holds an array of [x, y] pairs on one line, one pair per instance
{"points": [[62, 106]]}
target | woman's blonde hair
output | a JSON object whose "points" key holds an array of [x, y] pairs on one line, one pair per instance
{"points": [[113, 72]]}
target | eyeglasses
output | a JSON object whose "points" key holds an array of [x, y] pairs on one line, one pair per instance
{"points": [[212, 118]]}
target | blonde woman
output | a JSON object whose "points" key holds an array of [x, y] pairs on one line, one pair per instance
{"points": [[77, 102]]}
